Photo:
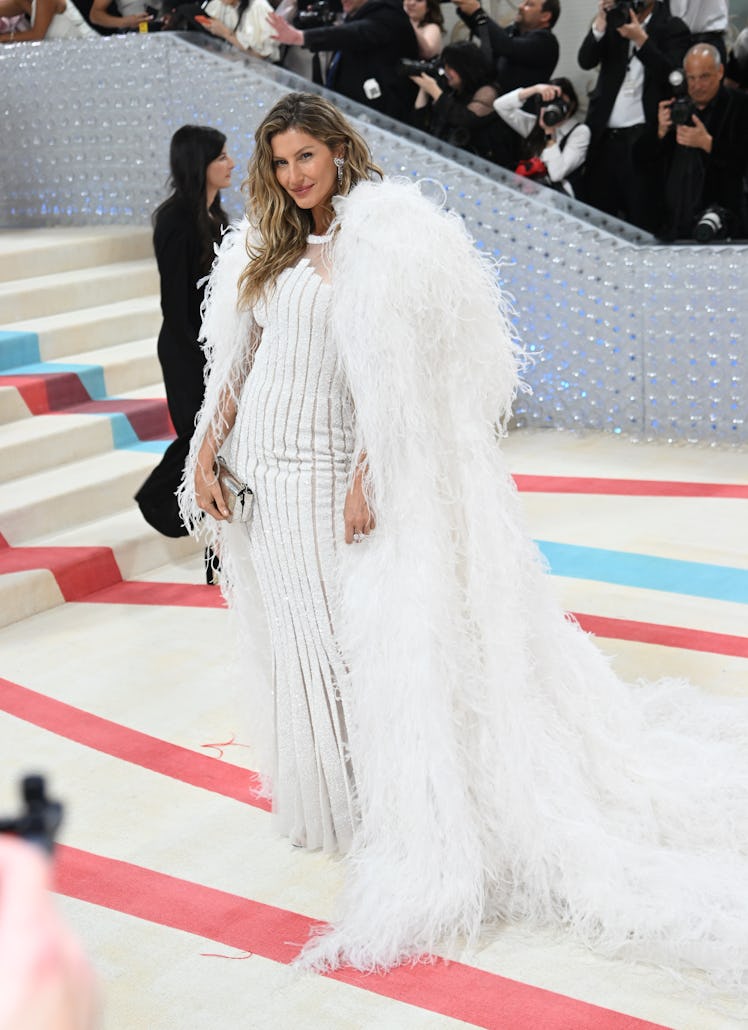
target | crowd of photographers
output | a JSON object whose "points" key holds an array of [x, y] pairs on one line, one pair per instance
{"points": [[664, 144]]}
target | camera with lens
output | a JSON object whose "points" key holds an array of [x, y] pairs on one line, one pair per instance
{"points": [[682, 107], [620, 13], [316, 15], [712, 224], [554, 110], [408, 67]]}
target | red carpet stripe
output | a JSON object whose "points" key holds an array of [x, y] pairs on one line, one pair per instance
{"points": [[450, 989], [668, 636], [111, 738], [177, 595], [626, 487], [190, 595], [79, 571]]}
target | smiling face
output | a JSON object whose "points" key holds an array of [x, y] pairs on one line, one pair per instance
{"points": [[218, 173], [305, 169]]}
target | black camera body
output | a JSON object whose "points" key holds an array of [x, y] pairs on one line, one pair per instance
{"points": [[620, 13], [432, 67], [554, 110], [40, 819], [316, 15], [682, 107]]}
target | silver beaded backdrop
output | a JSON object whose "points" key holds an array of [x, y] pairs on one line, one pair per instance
{"points": [[627, 335]]}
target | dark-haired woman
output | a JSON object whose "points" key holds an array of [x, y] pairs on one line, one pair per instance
{"points": [[561, 146], [463, 113], [428, 24], [187, 227]]}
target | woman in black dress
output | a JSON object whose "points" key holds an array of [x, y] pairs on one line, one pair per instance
{"points": [[186, 228]]}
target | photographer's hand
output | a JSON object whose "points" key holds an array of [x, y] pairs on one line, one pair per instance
{"points": [[467, 7], [634, 31], [428, 84], [45, 979], [284, 33], [695, 135], [664, 118], [601, 17]]}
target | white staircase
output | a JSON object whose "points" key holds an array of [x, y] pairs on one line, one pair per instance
{"points": [[81, 408]]}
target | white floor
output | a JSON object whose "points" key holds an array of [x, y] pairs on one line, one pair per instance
{"points": [[167, 672]]}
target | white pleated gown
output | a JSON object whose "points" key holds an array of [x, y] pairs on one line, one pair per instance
{"points": [[292, 443]]}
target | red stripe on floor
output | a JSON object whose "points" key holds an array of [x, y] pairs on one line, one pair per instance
{"points": [[178, 595], [111, 738], [451, 989], [668, 636], [626, 487], [191, 595]]}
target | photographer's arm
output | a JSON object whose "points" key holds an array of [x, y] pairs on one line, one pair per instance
{"points": [[509, 108], [363, 34], [100, 16], [665, 53]]}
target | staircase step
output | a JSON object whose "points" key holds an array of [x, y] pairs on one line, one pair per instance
{"points": [[50, 441], [87, 328], [42, 295], [12, 406], [28, 252], [61, 498], [23, 594], [74, 565]]}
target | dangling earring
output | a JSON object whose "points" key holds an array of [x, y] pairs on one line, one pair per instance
{"points": [[339, 162]]}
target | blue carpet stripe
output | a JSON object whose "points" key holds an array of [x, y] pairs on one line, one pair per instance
{"points": [[696, 579], [17, 349]]}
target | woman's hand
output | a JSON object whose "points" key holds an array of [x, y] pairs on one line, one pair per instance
{"points": [[357, 515], [207, 488]]}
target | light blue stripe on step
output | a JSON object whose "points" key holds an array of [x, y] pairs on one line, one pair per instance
{"points": [[17, 349], [696, 579], [151, 446], [92, 376]]}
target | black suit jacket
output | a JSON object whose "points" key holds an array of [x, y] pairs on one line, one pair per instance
{"points": [[518, 58], [663, 51], [724, 169], [371, 40]]}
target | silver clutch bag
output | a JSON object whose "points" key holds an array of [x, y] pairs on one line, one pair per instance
{"points": [[237, 495]]}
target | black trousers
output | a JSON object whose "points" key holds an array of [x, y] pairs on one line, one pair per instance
{"points": [[621, 181]]}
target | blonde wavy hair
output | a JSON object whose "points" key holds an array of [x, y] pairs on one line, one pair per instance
{"points": [[282, 226]]}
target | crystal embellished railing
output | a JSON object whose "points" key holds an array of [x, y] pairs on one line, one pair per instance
{"points": [[628, 335]]}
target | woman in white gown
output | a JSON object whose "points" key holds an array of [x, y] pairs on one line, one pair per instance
{"points": [[434, 714]]}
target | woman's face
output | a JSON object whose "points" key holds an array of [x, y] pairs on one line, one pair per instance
{"points": [[452, 78], [218, 173], [304, 167], [415, 9]]}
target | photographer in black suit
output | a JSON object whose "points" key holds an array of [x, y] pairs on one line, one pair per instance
{"points": [[704, 134], [367, 48], [524, 53], [637, 44]]}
